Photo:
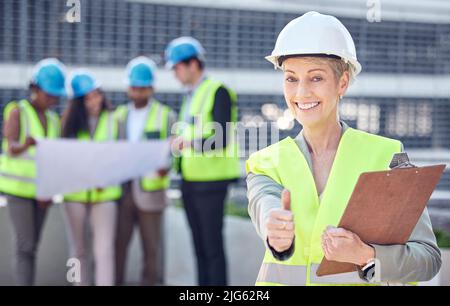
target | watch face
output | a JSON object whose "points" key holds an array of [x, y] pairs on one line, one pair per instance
{"points": [[370, 274]]}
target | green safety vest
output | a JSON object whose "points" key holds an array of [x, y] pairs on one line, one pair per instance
{"points": [[156, 127], [283, 162], [106, 130], [213, 165], [18, 173]]}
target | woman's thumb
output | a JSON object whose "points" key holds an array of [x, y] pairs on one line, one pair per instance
{"points": [[286, 199]]}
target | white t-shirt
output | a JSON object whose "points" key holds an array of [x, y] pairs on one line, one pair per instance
{"points": [[136, 121]]}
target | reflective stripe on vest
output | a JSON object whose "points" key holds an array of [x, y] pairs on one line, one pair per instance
{"points": [[157, 123], [211, 165], [18, 173], [282, 274], [277, 274], [156, 127], [106, 130], [357, 152], [290, 275]]}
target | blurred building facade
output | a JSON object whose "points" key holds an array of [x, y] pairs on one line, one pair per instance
{"points": [[403, 92]]}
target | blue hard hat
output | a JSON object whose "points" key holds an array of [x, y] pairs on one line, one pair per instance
{"points": [[181, 49], [141, 72], [49, 75], [82, 82]]}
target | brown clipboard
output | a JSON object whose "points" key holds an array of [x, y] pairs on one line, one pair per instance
{"points": [[384, 208]]}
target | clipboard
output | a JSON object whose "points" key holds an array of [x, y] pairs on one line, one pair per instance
{"points": [[385, 206]]}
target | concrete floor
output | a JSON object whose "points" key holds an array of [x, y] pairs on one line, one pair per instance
{"points": [[240, 238]]}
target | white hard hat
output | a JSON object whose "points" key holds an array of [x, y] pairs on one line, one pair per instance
{"points": [[313, 34]]}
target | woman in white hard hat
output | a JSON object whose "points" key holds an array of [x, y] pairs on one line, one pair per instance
{"points": [[298, 188]]}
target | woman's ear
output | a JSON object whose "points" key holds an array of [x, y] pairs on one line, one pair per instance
{"points": [[343, 83]]}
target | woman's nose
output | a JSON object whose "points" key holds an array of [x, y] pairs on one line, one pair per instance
{"points": [[303, 91]]}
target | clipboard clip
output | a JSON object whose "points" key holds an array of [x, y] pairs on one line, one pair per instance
{"points": [[401, 160]]}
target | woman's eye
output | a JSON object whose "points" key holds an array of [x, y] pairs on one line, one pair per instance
{"points": [[290, 79], [317, 79]]}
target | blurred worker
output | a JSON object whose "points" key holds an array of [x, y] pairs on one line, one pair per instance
{"points": [[25, 122], [298, 189], [209, 161], [144, 199], [88, 118]]}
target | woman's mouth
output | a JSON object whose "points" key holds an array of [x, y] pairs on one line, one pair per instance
{"points": [[307, 106]]}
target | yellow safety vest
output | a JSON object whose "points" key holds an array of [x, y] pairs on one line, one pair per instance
{"points": [[106, 130], [213, 165], [358, 152], [18, 173], [156, 127]]}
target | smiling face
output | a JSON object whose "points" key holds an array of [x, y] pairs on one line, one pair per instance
{"points": [[312, 87]]}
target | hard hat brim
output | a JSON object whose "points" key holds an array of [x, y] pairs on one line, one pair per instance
{"points": [[356, 66], [55, 93], [170, 64], [84, 93], [140, 84]]}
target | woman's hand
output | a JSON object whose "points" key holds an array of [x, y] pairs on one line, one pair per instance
{"points": [[163, 172], [345, 246], [280, 227], [29, 141]]}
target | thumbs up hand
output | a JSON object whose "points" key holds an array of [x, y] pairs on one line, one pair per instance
{"points": [[279, 225]]}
